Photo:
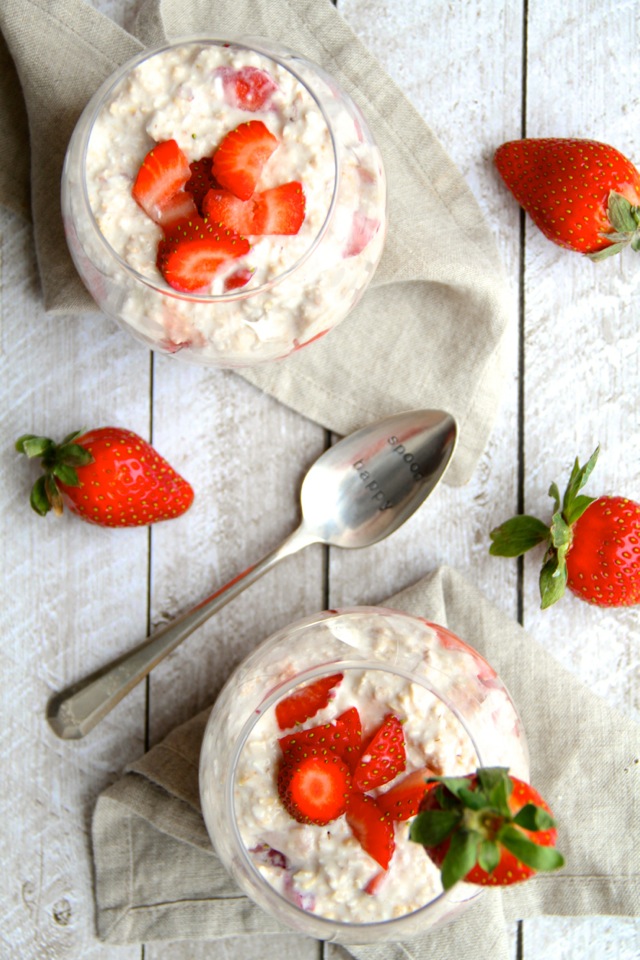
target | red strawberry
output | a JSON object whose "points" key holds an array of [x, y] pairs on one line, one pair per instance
{"points": [[593, 546], [383, 757], [340, 736], [374, 884], [371, 827], [352, 727], [314, 789], [403, 801], [239, 278], [179, 207], [248, 88], [190, 255], [486, 828], [229, 212], [306, 701], [238, 161], [200, 181], [163, 172], [582, 194], [280, 210], [109, 476], [450, 641]]}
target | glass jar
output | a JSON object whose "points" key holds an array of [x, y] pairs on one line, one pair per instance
{"points": [[288, 291], [456, 715]]}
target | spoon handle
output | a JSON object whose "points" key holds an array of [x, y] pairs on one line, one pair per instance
{"points": [[76, 710]]}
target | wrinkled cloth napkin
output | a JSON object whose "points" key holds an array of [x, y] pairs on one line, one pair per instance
{"points": [[429, 332], [157, 877]]}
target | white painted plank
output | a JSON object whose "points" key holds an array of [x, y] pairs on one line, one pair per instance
{"points": [[245, 455], [74, 596], [581, 378], [459, 64]]}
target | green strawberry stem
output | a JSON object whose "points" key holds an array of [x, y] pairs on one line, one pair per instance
{"points": [[477, 822], [522, 533], [59, 462], [624, 217]]}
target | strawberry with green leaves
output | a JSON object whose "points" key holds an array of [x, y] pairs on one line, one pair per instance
{"points": [[486, 828], [582, 194], [109, 476], [592, 545]]}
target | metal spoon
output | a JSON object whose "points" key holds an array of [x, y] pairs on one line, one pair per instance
{"points": [[359, 491]]}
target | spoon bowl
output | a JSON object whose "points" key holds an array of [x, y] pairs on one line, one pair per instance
{"points": [[358, 492], [363, 488]]}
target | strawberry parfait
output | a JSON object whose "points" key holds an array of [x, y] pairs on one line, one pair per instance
{"points": [[315, 761], [224, 202]]}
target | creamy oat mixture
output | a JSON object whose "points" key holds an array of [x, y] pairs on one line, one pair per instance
{"points": [[324, 869], [180, 94]]}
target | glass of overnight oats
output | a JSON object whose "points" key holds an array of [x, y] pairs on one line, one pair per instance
{"points": [[315, 758], [224, 201]]}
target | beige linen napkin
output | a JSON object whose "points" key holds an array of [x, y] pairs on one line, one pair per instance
{"points": [[430, 331], [157, 877]]}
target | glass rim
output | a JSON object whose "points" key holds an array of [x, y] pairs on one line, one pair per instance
{"points": [[334, 927], [99, 99]]}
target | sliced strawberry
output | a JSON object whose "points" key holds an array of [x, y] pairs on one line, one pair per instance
{"points": [[352, 729], [314, 789], [305, 702], [163, 172], [383, 757], [340, 736], [200, 181], [279, 210], [239, 278], [264, 853], [371, 827], [373, 886], [403, 801], [248, 88], [238, 161], [189, 257], [228, 211], [178, 207]]}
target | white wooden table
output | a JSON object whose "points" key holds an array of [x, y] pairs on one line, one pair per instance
{"points": [[75, 595]]}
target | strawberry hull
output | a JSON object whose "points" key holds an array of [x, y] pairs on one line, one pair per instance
{"points": [[403, 678], [302, 278]]}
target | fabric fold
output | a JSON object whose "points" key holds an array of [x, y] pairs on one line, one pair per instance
{"points": [[157, 876]]}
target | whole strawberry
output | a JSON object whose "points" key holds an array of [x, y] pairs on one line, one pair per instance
{"points": [[593, 545], [582, 194], [486, 828], [110, 476]]}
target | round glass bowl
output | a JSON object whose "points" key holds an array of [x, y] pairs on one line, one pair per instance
{"points": [[456, 715], [288, 290]]}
